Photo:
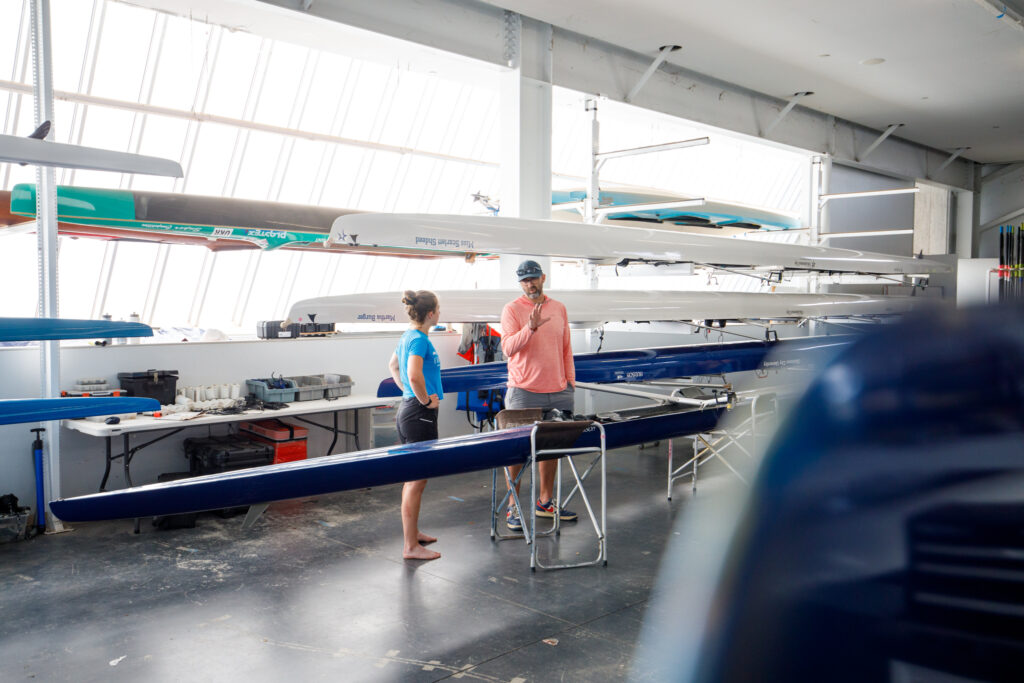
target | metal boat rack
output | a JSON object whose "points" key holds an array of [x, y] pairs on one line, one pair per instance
{"points": [[551, 441]]}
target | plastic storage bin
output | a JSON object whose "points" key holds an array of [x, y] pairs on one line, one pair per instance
{"points": [[261, 388], [13, 526], [382, 426], [158, 384], [311, 387], [287, 440]]}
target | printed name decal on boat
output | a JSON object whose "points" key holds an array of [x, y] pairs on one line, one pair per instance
{"points": [[444, 242], [278, 234], [377, 317], [223, 232], [631, 376], [780, 363], [171, 227]]}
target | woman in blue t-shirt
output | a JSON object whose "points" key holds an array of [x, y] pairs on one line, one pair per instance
{"points": [[417, 370]]}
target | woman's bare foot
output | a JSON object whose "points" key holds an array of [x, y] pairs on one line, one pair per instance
{"points": [[424, 538], [420, 553]]}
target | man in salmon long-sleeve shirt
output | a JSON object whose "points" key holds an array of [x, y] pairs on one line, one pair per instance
{"points": [[541, 373]]}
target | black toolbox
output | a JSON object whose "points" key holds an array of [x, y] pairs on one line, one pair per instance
{"points": [[274, 329], [158, 384], [212, 454]]}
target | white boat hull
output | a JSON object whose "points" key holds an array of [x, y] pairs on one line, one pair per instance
{"points": [[601, 306], [604, 243]]}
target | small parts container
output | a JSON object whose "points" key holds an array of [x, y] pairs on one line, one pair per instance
{"points": [[267, 389], [311, 387], [287, 440], [158, 384]]}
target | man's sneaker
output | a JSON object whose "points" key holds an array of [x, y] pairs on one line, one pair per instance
{"points": [[548, 510], [512, 521]]}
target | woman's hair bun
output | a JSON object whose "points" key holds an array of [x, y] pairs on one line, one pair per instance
{"points": [[418, 305]]}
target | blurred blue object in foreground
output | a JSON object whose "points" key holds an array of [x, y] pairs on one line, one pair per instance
{"points": [[883, 536]]}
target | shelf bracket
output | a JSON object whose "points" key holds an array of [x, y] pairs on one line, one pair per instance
{"points": [[797, 96], [954, 155], [879, 140], [662, 54]]}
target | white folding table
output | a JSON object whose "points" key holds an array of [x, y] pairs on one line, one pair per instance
{"points": [[173, 424]]}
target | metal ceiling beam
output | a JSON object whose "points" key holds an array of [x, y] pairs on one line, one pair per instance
{"points": [[1004, 11], [582, 63], [1004, 171]]}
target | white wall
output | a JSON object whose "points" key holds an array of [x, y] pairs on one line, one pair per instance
{"points": [[888, 212], [976, 284], [363, 357], [1001, 201]]}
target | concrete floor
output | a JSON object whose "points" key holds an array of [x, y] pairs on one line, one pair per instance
{"points": [[318, 590]]}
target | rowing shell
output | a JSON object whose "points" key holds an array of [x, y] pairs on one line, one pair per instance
{"points": [[601, 305], [18, 410], [604, 243], [38, 329], [644, 365], [376, 467]]}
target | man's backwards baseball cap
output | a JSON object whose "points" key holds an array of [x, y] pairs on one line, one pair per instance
{"points": [[528, 269]]}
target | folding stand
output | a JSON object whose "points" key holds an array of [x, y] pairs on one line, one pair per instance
{"points": [[538, 455], [506, 419], [713, 444], [550, 441]]}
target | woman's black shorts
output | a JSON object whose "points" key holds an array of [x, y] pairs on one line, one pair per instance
{"points": [[416, 422]]}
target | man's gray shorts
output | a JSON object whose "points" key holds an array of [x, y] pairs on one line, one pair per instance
{"points": [[518, 398]]}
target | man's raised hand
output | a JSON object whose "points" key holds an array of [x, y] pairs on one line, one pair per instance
{"points": [[535, 319]]}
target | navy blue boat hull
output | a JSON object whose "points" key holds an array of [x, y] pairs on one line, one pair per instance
{"points": [[641, 365], [18, 410], [39, 329], [348, 471]]}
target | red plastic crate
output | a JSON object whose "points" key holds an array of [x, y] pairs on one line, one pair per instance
{"points": [[288, 440], [274, 430]]}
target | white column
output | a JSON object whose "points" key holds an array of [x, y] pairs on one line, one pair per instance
{"points": [[931, 219], [964, 223], [821, 181], [46, 229], [525, 128]]}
